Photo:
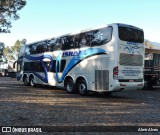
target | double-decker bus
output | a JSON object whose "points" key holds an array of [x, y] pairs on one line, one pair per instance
{"points": [[104, 59]]}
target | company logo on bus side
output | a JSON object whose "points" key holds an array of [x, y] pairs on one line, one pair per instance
{"points": [[132, 43], [74, 53]]}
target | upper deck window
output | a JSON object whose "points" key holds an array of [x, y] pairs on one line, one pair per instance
{"points": [[83, 39], [101, 36], [67, 42]]}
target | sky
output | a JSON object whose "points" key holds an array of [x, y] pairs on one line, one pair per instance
{"points": [[43, 19]]}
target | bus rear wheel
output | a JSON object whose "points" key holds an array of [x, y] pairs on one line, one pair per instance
{"points": [[32, 82], [82, 87], [25, 80], [69, 86]]}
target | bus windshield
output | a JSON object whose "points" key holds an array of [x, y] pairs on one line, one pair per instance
{"points": [[131, 34]]}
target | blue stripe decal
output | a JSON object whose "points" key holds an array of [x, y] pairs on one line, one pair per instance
{"points": [[44, 79], [39, 57], [132, 49], [76, 59]]}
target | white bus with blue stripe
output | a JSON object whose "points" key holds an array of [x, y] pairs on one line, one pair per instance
{"points": [[105, 59]]}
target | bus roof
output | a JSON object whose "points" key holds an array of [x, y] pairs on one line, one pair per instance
{"points": [[81, 31], [122, 24]]}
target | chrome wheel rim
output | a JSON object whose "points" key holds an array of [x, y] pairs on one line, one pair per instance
{"points": [[82, 88], [32, 82], [25, 81], [70, 87]]}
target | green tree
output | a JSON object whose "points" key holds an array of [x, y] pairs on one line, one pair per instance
{"points": [[2, 46], [8, 13], [11, 53], [17, 46], [6, 52]]}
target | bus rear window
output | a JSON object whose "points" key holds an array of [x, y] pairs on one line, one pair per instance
{"points": [[131, 59], [131, 34]]}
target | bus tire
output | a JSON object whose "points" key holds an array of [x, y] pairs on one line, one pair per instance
{"points": [[25, 81], [82, 87], [32, 82], [69, 86]]}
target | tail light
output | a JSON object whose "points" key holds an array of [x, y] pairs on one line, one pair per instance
{"points": [[115, 73]]}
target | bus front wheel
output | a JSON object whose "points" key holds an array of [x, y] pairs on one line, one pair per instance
{"points": [[69, 86]]}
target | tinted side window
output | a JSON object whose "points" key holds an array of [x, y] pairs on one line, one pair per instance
{"points": [[39, 49], [45, 46], [57, 44], [38, 67], [83, 39], [33, 49], [49, 45], [33, 66], [77, 41], [101, 36], [63, 64], [26, 66], [60, 66], [47, 65], [52, 44], [67, 42]]}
